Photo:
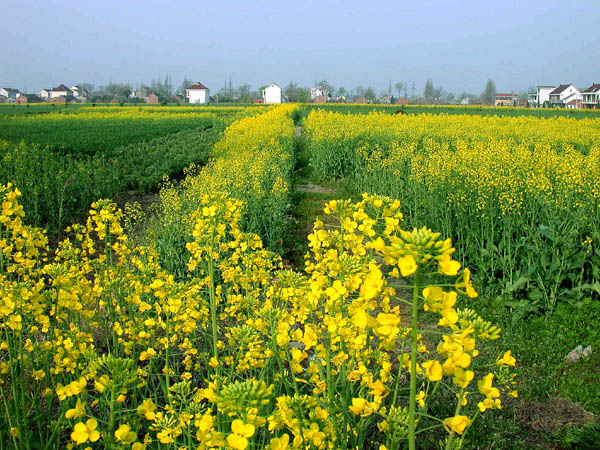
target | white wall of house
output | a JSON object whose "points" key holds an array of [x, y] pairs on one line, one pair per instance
{"points": [[543, 94], [316, 92], [44, 93], [12, 94], [272, 94], [197, 95], [55, 94]]}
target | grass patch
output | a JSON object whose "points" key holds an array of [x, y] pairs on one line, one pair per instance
{"points": [[558, 399]]}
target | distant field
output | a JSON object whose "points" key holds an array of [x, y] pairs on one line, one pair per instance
{"points": [[41, 108], [349, 108], [90, 132]]}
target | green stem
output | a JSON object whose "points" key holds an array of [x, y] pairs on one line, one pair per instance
{"points": [[413, 365], [1, 253], [111, 421], [213, 309], [8, 415], [329, 378], [456, 413], [167, 335]]}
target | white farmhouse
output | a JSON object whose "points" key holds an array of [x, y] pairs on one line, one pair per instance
{"points": [[10, 93], [271, 94], [566, 95], [317, 92], [197, 93], [541, 98], [80, 93], [61, 91], [44, 94]]}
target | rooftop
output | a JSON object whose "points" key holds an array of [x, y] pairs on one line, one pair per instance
{"points": [[197, 85], [559, 89]]}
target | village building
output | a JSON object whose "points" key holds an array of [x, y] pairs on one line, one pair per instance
{"points": [[79, 93], [565, 95], [44, 94], [152, 99], [140, 93], [24, 99], [58, 100], [61, 91], [506, 100], [541, 98], [402, 101], [360, 100], [591, 97], [9, 93], [318, 92], [197, 93], [272, 94], [320, 99]]}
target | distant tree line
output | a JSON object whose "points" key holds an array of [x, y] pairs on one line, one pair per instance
{"points": [[293, 92]]}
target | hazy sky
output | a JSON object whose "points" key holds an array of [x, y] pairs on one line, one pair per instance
{"points": [[458, 44]]}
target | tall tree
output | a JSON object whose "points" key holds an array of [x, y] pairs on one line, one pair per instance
{"points": [[369, 95], [437, 93], [487, 97], [399, 85], [186, 83], [428, 92], [303, 95], [244, 92], [291, 92], [359, 92]]}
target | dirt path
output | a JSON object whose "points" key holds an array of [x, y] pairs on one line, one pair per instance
{"points": [[308, 199]]}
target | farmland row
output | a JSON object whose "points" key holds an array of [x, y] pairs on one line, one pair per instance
{"points": [[478, 110], [253, 162], [64, 162], [95, 132]]}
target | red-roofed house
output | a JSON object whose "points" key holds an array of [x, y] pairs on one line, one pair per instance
{"points": [[506, 100], [564, 95], [197, 93], [320, 99], [402, 101], [591, 97]]}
